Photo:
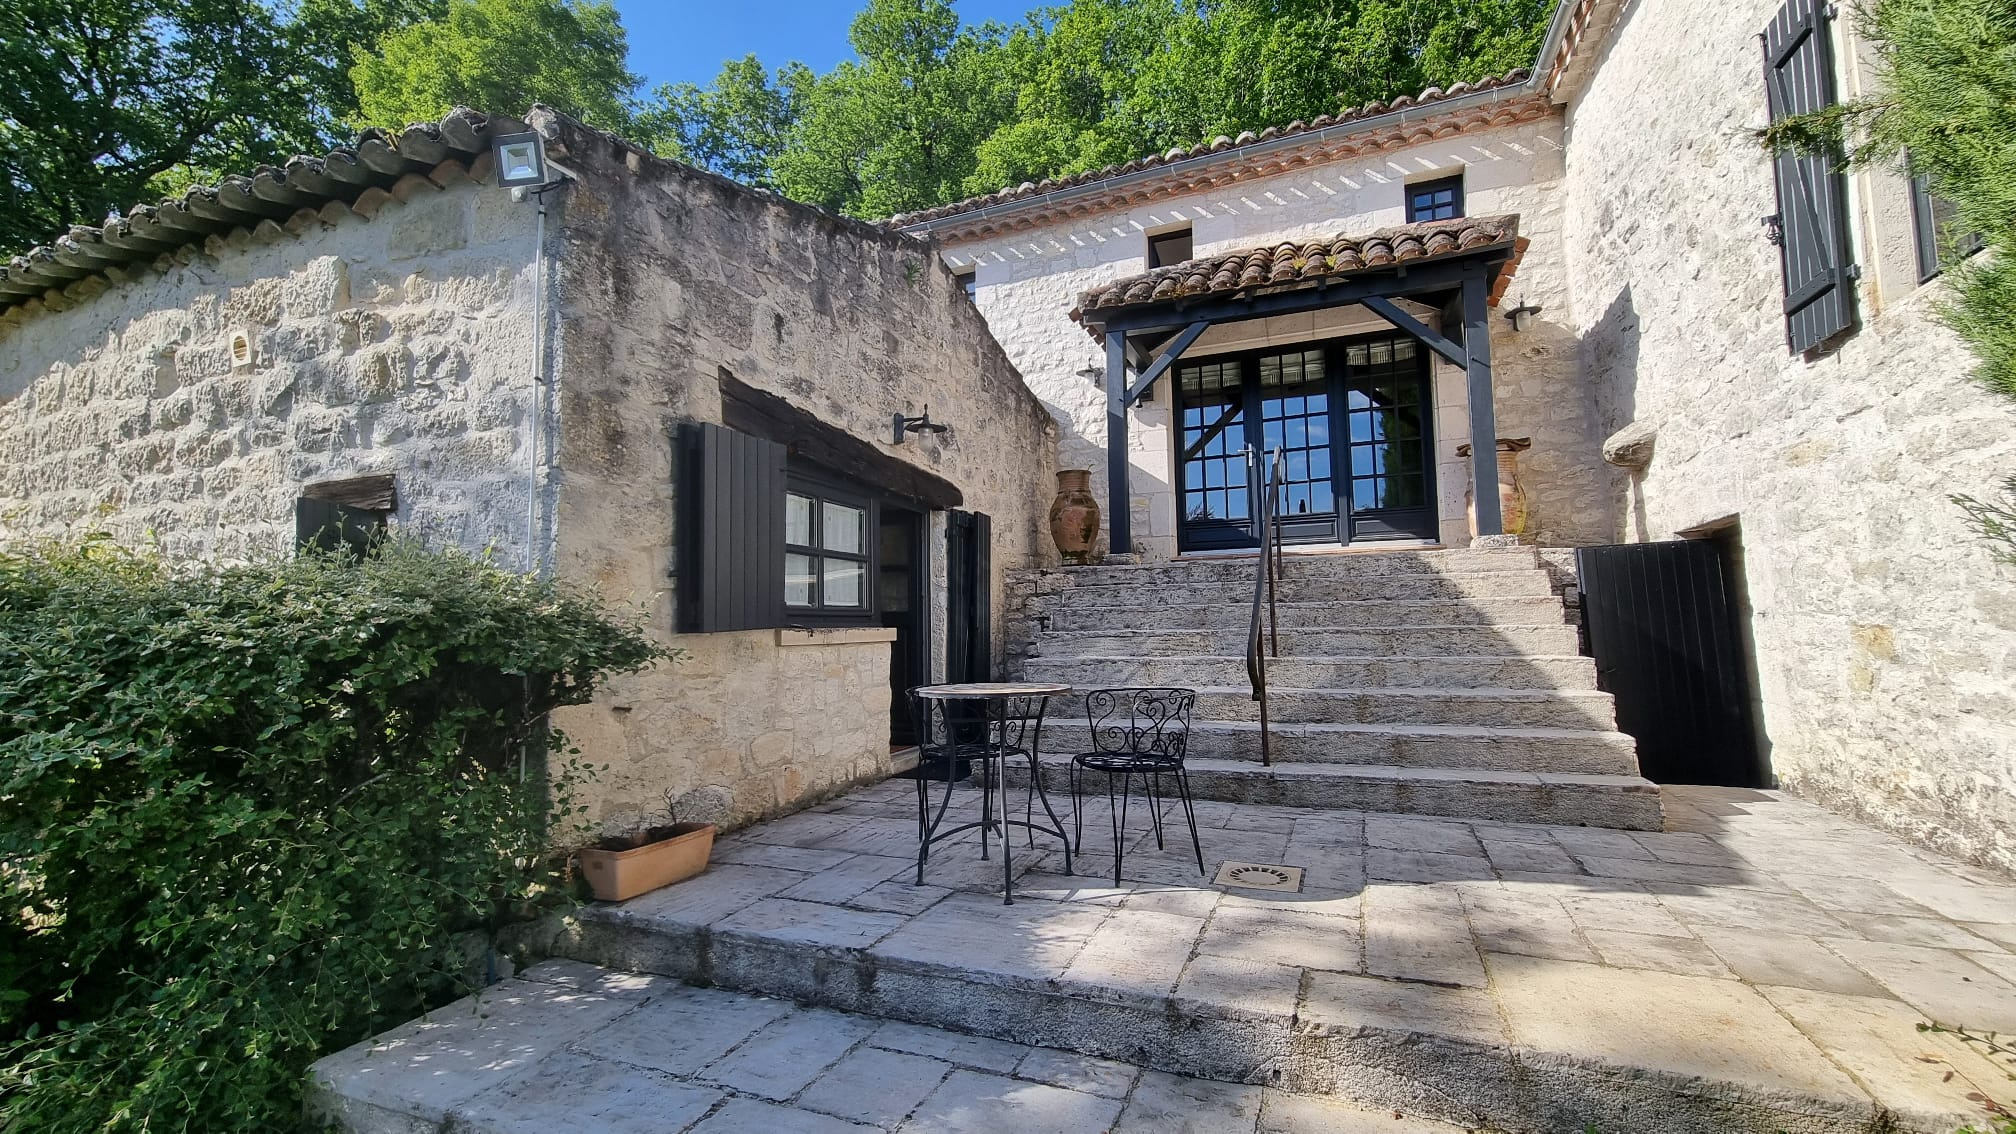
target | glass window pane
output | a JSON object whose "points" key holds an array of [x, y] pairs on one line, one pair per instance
{"points": [[1364, 494], [1405, 492], [846, 583], [798, 519], [798, 573], [843, 528]]}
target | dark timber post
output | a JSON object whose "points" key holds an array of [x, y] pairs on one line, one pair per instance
{"points": [[1483, 415], [1119, 498]]}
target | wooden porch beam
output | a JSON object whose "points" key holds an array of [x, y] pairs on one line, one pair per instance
{"points": [[1483, 413], [1163, 361], [1119, 497], [1386, 309]]}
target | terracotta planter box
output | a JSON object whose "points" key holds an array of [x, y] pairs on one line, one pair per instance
{"points": [[618, 875]]}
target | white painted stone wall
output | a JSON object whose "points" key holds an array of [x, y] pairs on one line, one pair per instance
{"points": [[1028, 282], [400, 345], [1885, 635]]}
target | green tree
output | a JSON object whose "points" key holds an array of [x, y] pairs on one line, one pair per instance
{"points": [[109, 102], [735, 126], [501, 56]]}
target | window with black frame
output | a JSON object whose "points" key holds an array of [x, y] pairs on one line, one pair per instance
{"points": [[828, 559], [1441, 199]]}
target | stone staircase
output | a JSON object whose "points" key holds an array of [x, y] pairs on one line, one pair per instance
{"points": [[1428, 682]]}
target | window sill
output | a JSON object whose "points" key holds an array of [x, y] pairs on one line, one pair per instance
{"points": [[839, 636]]}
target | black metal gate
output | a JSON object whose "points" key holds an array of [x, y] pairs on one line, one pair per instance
{"points": [[1660, 619]]}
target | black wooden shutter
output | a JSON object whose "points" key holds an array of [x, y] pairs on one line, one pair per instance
{"points": [[730, 489], [1812, 194], [969, 575]]}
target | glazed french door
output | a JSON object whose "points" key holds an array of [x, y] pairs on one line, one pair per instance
{"points": [[1351, 419]]}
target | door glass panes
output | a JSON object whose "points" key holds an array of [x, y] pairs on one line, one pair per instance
{"points": [[1384, 413], [1214, 442], [1295, 419]]}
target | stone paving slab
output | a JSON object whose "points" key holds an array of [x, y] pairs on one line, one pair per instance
{"points": [[587, 1050], [1645, 981]]}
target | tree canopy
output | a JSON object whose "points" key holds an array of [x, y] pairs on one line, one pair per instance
{"points": [[118, 101]]}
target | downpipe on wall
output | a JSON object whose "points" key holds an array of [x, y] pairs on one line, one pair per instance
{"points": [[537, 559]]}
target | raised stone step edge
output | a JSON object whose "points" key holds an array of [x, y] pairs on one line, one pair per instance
{"points": [[1393, 562], [1509, 708], [1367, 673], [1629, 803], [1476, 584], [1389, 1045], [568, 1038], [1503, 639], [1524, 610], [1404, 746]]}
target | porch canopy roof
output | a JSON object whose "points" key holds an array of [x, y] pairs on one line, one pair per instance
{"points": [[1460, 266]]}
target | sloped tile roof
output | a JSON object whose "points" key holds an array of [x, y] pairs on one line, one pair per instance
{"points": [[1290, 263], [270, 204], [1217, 145]]}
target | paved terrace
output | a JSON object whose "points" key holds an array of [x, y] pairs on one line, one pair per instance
{"points": [[1761, 965]]}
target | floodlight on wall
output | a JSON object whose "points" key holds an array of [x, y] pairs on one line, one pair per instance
{"points": [[922, 424], [520, 159], [1521, 316]]}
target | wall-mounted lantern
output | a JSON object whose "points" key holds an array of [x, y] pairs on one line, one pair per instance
{"points": [[1521, 316], [922, 424], [521, 159]]}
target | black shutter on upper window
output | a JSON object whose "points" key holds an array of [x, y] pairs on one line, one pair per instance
{"points": [[1812, 194], [730, 498]]}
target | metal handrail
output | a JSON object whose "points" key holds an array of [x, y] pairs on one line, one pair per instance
{"points": [[1265, 578]]}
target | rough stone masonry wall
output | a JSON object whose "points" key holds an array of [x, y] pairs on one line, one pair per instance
{"points": [[1030, 281], [1885, 634], [670, 276], [400, 345]]}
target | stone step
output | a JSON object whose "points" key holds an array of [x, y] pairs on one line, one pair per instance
{"points": [[1532, 610], [1328, 641], [1302, 566], [1186, 592], [1402, 746], [1625, 802], [581, 1047], [1514, 708], [1367, 673]]}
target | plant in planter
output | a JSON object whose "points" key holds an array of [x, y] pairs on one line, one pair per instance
{"points": [[620, 867]]}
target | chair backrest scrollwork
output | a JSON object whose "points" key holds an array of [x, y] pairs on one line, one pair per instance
{"points": [[1140, 722]]}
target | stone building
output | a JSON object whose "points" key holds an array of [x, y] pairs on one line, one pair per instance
{"points": [[574, 379], [1779, 387]]}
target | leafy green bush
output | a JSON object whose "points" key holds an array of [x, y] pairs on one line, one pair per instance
{"points": [[246, 810]]}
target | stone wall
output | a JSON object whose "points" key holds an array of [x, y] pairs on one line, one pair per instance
{"points": [[401, 344], [1028, 283], [1885, 634], [670, 276]]}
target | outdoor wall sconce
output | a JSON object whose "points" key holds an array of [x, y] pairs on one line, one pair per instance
{"points": [[1521, 316], [922, 424], [520, 158]]}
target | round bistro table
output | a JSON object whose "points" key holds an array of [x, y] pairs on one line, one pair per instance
{"points": [[999, 716]]}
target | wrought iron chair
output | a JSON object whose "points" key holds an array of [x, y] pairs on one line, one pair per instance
{"points": [[977, 736], [1137, 732]]}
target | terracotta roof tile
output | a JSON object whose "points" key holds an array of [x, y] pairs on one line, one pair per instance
{"points": [[1289, 263], [1219, 144], [270, 200]]}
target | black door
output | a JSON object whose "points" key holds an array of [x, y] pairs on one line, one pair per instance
{"points": [[902, 569], [1350, 419], [1660, 620], [969, 643]]}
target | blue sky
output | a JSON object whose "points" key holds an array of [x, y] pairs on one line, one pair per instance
{"points": [[686, 40]]}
